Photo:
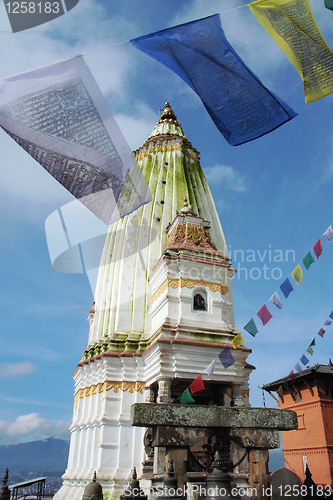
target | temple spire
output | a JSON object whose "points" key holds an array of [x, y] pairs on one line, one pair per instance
{"points": [[168, 115], [167, 124]]}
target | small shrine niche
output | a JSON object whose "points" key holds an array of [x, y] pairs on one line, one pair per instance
{"points": [[200, 300]]}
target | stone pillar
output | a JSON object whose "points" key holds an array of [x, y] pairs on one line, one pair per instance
{"points": [[240, 472], [164, 391], [149, 395], [258, 442], [259, 477], [148, 463], [238, 396], [159, 469]]}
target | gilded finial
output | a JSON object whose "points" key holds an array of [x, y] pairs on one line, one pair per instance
{"points": [[185, 202], [168, 115]]}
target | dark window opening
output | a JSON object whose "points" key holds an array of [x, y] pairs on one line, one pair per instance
{"points": [[199, 303]]}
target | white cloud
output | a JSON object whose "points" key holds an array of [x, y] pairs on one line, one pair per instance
{"points": [[8, 370], [26, 425], [32, 427], [226, 176], [136, 130]]}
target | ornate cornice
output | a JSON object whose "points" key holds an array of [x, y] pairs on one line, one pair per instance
{"points": [[193, 237], [107, 386], [188, 283], [144, 151]]}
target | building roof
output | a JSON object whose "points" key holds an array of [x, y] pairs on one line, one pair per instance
{"points": [[307, 373]]}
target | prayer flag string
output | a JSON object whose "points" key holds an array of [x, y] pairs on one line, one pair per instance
{"points": [[286, 287], [304, 360]]}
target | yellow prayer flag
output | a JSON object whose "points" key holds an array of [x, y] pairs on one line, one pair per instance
{"points": [[238, 340], [280, 391], [292, 25], [297, 274]]}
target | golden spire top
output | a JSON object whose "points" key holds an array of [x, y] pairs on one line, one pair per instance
{"points": [[168, 115]]}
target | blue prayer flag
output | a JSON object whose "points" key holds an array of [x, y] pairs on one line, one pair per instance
{"points": [[331, 315], [226, 358], [304, 360], [286, 287], [238, 103]]}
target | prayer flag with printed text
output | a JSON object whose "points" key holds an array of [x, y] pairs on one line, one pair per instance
{"points": [[264, 314], [238, 103], [297, 274], [328, 322], [310, 350], [59, 116], [292, 25]]}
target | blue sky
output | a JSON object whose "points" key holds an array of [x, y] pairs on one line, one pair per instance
{"points": [[273, 194]]}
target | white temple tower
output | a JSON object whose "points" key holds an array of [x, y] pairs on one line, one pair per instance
{"points": [[163, 311]]}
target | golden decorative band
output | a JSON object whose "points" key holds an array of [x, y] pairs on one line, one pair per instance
{"points": [[175, 283], [106, 386], [162, 149]]}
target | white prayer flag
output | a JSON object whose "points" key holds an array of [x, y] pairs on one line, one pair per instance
{"points": [[298, 368], [329, 233], [276, 300], [59, 116], [328, 322], [210, 368]]}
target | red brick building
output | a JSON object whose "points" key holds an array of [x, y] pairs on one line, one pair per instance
{"points": [[310, 395]]}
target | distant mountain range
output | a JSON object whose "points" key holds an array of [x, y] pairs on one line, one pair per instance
{"points": [[52, 455], [49, 454]]}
